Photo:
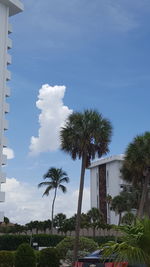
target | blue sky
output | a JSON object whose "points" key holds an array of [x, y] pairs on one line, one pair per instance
{"points": [[98, 50]]}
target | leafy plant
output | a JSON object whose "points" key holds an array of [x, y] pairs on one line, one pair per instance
{"points": [[25, 256], [135, 245], [6, 258], [85, 244], [49, 257]]}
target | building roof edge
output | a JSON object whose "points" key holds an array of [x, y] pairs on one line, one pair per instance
{"points": [[15, 6], [101, 161]]}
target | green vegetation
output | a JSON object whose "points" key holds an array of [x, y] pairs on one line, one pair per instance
{"points": [[7, 258], [136, 170], [11, 242], [85, 244], [49, 257], [85, 136], [135, 245], [25, 256], [56, 178]]}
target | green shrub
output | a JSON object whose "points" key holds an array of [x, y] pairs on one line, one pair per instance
{"points": [[49, 257], [25, 256], [70, 255], [85, 244], [103, 239], [45, 240], [12, 242], [6, 259]]}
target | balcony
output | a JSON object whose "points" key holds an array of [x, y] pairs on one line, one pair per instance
{"points": [[9, 28], [4, 141], [8, 59], [5, 123], [6, 107], [9, 43], [8, 75], [2, 177], [4, 159], [2, 196], [7, 91]]}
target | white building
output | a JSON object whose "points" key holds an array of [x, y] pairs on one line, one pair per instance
{"points": [[105, 178], [7, 8]]}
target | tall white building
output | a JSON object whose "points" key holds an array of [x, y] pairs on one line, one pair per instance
{"points": [[7, 8], [105, 178]]}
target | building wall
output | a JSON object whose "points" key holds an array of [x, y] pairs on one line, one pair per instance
{"points": [[112, 183], [4, 76], [94, 187], [7, 8]]}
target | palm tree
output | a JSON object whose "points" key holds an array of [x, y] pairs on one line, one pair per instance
{"points": [[56, 178], [95, 218], [136, 167], [85, 136], [119, 205], [59, 221], [135, 245]]}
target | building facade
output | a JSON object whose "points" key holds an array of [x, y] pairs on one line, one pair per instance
{"points": [[105, 179], [7, 8]]}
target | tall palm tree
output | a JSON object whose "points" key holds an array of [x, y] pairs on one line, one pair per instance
{"points": [[85, 136], [136, 167], [56, 178]]}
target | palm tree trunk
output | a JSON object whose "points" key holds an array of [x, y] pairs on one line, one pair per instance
{"points": [[93, 231], [119, 222], [77, 230], [53, 209], [143, 197]]}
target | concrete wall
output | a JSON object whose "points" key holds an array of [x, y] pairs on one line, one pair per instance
{"points": [[4, 76], [113, 184], [7, 8]]}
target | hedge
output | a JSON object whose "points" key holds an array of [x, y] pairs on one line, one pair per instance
{"points": [[11, 242]]}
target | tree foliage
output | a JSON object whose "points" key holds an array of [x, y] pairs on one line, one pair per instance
{"points": [[85, 136], [135, 245]]}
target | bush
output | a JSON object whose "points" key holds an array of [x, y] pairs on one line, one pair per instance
{"points": [[49, 257], [85, 244], [25, 256], [6, 259], [12, 242], [70, 255], [103, 239], [45, 240]]}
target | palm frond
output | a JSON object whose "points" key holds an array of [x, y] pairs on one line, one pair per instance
{"points": [[125, 253], [63, 188], [48, 189]]}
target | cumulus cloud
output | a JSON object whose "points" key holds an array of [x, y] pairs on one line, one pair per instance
{"points": [[24, 202], [52, 117], [8, 152]]}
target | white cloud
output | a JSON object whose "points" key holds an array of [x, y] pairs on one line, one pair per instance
{"points": [[8, 152], [24, 202], [52, 117]]}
